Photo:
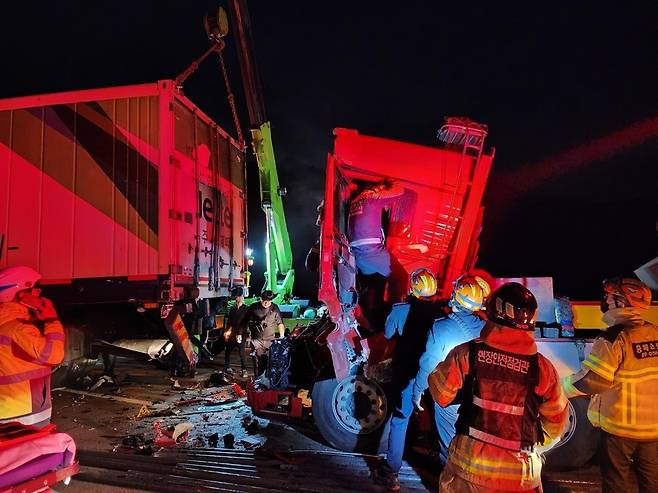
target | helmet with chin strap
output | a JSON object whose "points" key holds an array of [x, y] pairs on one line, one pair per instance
{"points": [[423, 283], [624, 292], [15, 279], [469, 293], [512, 305]]}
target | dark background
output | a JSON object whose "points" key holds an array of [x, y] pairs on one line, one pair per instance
{"points": [[569, 90]]}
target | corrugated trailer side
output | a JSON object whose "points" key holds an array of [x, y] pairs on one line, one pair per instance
{"points": [[121, 193], [207, 227]]}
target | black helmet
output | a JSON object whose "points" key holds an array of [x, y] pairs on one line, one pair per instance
{"points": [[237, 291], [267, 295], [512, 305]]}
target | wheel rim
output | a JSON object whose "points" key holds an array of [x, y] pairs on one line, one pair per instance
{"points": [[569, 430], [359, 405]]}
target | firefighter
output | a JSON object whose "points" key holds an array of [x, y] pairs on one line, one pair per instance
{"points": [[409, 323], [233, 333], [621, 375], [459, 326], [510, 397], [259, 326], [31, 344], [369, 212]]}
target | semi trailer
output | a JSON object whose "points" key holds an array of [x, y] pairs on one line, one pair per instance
{"points": [[131, 202]]}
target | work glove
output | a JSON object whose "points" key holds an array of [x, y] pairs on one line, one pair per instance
{"points": [[46, 312], [238, 339], [417, 396]]}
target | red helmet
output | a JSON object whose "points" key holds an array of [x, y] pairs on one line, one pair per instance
{"points": [[621, 292], [512, 305], [15, 279]]}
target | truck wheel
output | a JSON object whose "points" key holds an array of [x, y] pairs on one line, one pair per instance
{"points": [[579, 440], [351, 414]]}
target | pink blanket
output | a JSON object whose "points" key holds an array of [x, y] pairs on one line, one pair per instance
{"points": [[22, 453]]}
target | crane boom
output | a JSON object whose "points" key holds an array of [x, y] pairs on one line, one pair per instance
{"points": [[279, 273]]}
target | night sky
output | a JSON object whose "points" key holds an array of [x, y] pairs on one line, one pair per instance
{"points": [[569, 91]]}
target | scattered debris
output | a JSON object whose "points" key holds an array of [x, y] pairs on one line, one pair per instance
{"points": [[182, 429], [104, 396], [217, 379], [303, 394], [250, 443], [103, 379], [238, 390], [133, 440], [143, 412], [172, 435], [187, 402], [229, 440], [213, 440], [252, 426]]}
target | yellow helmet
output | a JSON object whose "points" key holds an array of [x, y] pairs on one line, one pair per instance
{"points": [[469, 293], [625, 292], [423, 283]]}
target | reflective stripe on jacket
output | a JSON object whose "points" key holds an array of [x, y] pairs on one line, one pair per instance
{"points": [[626, 357], [364, 221], [484, 463], [499, 405], [26, 360]]}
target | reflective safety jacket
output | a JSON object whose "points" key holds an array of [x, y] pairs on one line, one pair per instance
{"points": [[476, 457], [26, 360], [624, 361], [499, 405]]}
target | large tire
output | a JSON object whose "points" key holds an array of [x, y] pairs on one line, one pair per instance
{"points": [[352, 415], [579, 441]]}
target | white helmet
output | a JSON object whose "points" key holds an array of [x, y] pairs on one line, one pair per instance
{"points": [[15, 279]]}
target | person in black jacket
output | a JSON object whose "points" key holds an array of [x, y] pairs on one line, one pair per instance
{"points": [[260, 323], [408, 323], [233, 336]]}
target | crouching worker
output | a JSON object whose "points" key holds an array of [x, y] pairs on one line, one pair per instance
{"points": [[260, 324], [31, 343], [510, 396], [409, 323]]}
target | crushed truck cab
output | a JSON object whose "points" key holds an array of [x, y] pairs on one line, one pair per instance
{"points": [[437, 227], [446, 184]]}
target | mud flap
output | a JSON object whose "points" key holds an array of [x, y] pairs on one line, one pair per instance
{"points": [[186, 356]]}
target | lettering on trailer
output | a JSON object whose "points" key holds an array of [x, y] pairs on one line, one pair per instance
{"points": [[216, 218], [643, 350], [504, 360], [221, 215]]}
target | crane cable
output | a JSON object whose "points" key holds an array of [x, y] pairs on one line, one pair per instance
{"points": [[229, 92]]}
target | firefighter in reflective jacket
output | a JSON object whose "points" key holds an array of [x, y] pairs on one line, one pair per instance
{"points": [[621, 374], [510, 396], [31, 343]]}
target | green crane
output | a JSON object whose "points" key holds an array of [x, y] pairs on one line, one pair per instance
{"points": [[279, 273]]}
